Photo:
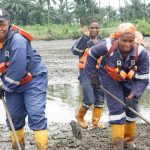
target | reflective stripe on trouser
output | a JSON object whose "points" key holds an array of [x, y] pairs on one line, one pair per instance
{"points": [[117, 111], [21, 138], [31, 102], [91, 95]]}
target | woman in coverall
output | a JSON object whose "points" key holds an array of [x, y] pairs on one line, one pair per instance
{"points": [[125, 73], [91, 93], [24, 80]]}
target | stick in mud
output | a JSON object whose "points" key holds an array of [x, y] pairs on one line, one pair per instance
{"points": [[76, 130]]}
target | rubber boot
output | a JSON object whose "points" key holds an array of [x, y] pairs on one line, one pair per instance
{"points": [[129, 135], [117, 136], [80, 116], [41, 139], [96, 114], [21, 138]]}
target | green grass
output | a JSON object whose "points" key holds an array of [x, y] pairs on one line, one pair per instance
{"points": [[69, 31]]}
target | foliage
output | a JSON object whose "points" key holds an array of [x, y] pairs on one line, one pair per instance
{"points": [[77, 13], [39, 32], [144, 27], [68, 31]]}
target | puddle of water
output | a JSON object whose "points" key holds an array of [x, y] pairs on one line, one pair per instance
{"points": [[71, 95], [63, 102]]}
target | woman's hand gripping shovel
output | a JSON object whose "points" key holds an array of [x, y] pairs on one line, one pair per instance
{"points": [[118, 100], [11, 123]]}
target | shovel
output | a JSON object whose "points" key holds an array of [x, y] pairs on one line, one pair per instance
{"points": [[131, 109]]}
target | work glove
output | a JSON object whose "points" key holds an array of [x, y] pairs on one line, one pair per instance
{"points": [[95, 82], [1, 92], [128, 102]]}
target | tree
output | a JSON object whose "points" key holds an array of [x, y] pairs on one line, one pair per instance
{"points": [[17, 8], [39, 12], [135, 9]]}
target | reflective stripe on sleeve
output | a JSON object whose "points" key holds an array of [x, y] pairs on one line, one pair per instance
{"points": [[11, 80], [5, 87], [140, 49], [90, 54], [117, 117], [143, 76], [108, 43], [78, 50]]}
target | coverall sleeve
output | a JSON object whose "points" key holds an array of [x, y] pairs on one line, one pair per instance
{"points": [[18, 63], [80, 45], [142, 75], [94, 54]]}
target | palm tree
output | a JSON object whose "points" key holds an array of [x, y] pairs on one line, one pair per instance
{"points": [[99, 6], [39, 12], [136, 8], [15, 7], [125, 11]]}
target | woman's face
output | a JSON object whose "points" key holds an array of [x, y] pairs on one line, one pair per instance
{"points": [[126, 42], [4, 25]]}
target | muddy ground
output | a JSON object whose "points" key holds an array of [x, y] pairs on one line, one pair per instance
{"points": [[62, 70], [61, 138]]}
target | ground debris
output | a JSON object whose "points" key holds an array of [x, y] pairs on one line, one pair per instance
{"points": [[76, 130]]}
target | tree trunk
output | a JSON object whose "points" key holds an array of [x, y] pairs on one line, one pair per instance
{"points": [[48, 19]]}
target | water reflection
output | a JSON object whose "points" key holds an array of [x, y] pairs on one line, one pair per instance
{"points": [[68, 97], [144, 108]]}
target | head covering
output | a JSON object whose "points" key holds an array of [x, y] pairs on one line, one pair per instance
{"points": [[4, 15], [124, 28], [139, 39], [128, 28]]}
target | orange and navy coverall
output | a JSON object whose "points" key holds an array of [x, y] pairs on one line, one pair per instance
{"points": [[91, 94], [137, 85]]}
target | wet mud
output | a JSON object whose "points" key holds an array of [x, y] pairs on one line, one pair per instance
{"points": [[61, 138], [61, 64], [62, 67]]}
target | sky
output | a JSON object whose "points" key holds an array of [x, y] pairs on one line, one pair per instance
{"points": [[115, 3]]}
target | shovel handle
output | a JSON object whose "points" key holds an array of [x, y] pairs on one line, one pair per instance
{"points": [[11, 123], [131, 109]]}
